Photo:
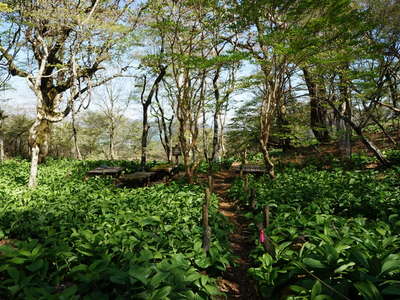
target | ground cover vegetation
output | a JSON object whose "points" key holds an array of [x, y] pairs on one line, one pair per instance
{"points": [[334, 233], [306, 90], [71, 239]]}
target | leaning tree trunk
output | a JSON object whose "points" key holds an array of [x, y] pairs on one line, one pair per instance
{"points": [[358, 130], [318, 113]]}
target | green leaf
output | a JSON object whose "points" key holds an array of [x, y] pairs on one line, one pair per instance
{"points": [[313, 263], [368, 290], [14, 273], [68, 293], [17, 260], [162, 293], [323, 297], [392, 263], [392, 290], [316, 289], [152, 220], [35, 266], [344, 267], [140, 273]]}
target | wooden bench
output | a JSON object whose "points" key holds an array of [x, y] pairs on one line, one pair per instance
{"points": [[164, 171], [106, 171], [136, 179], [249, 169]]}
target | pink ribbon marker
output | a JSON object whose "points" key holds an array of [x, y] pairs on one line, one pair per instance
{"points": [[262, 236]]}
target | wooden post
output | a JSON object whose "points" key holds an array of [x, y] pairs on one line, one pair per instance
{"points": [[246, 184], [266, 216], [244, 159], [267, 244], [253, 198], [211, 183], [206, 227]]}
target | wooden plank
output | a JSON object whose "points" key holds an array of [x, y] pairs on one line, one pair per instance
{"points": [[103, 171], [136, 179], [249, 168], [137, 176]]}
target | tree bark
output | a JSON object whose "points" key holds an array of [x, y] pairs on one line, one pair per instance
{"points": [[346, 129], [1, 147], [369, 144], [318, 118], [75, 136], [34, 166], [112, 141], [2, 117], [145, 104]]}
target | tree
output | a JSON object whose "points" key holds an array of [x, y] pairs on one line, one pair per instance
{"points": [[3, 116], [70, 41], [112, 106], [164, 122]]}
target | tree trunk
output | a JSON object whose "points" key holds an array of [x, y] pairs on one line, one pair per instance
{"points": [[145, 134], [284, 129], [146, 103], [346, 130], [75, 136], [369, 144], [39, 135], [34, 166], [1, 147], [1, 138], [267, 110], [112, 142], [318, 118], [389, 137]]}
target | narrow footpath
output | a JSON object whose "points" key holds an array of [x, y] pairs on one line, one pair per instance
{"points": [[236, 282]]}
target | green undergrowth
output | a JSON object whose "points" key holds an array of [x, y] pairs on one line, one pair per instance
{"points": [[335, 234], [76, 239]]}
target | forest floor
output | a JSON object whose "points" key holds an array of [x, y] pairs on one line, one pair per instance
{"points": [[236, 281]]}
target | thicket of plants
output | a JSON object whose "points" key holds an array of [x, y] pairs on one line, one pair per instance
{"points": [[335, 233], [73, 239]]}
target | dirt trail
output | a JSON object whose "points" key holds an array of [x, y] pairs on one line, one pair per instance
{"points": [[236, 282]]}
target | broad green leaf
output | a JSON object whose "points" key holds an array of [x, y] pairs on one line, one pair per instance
{"points": [[313, 263], [368, 290]]}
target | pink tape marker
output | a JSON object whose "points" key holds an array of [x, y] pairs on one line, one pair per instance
{"points": [[262, 236]]}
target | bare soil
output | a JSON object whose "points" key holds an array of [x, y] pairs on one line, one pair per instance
{"points": [[236, 281]]}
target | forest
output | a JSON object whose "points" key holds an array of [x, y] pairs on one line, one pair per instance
{"points": [[200, 149]]}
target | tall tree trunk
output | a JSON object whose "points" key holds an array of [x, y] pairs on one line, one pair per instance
{"points": [[145, 104], [393, 88], [75, 135], [145, 134], [318, 116], [1, 146], [2, 117], [164, 127], [221, 138], [345, 109], [39, 135], [216, 143], [284, 130], [112, 141], [267, 110], [34, 166]]}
